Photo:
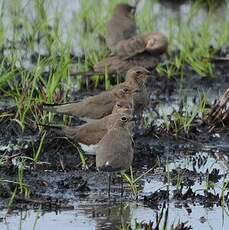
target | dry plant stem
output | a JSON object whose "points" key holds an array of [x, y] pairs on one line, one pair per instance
{"points": [[219, 113]]}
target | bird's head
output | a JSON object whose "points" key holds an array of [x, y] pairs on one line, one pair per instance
{"points": [[156, 43], [123, 106], [125, 10], [137, 75], [123, 92], [122, 121]]}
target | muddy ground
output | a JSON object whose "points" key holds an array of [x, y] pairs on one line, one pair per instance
{"points": [[189, 172]]}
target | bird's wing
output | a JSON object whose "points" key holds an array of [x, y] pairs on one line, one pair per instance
{"points": [[114, 142], [103, 98], [156, 43], [92, 107], [92, 132], [130, 47], [112, 149], [85, 135], [153, 43], [119, 28], [116, 64]]}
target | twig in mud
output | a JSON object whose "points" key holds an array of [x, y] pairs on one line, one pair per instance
{"points": [[219, 113], [218, 60], [9, 158], [61, 163], [159, 218]]}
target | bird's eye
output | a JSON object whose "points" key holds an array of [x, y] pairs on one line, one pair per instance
{"points": [[133, 10], [138, 72], [125, 90], [118, 105], [123, 118]]}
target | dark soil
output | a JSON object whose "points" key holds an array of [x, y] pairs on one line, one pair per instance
{"points": [[58, 180]]}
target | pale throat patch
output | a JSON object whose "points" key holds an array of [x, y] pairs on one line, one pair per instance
{"points": [[88, 149]]}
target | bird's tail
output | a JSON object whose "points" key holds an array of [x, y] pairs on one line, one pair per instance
{"points": [[89, 73], [52, 107], [48, 126], [58, 129], [64, 108]]}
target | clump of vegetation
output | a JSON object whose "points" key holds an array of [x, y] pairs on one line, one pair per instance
{"points": [[183, 120]]}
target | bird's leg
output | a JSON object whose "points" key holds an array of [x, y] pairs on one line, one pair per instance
{"points": [[109, 185], [121, 186]]}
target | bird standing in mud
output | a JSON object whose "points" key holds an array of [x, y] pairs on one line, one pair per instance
{"points": [[114, 153], [101, 105], [89, 134], [137, 77], [121, 25], [95, 107]]}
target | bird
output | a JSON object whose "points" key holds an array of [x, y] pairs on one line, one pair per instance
{"points": [[117, 65], [154, 43], [121, 26], [124, 106], [129, 49], [94, 107], [136, 78], [98, 106], [140, 50], [89, 134], [114, 152]]}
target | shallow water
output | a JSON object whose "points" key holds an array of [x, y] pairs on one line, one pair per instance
{"points": [[92, 209], [96, 212], [113, 216], [110, 217]]}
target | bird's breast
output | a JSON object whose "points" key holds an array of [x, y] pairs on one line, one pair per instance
{"points": [[88, 149]]}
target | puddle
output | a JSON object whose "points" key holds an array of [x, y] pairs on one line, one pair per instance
{"points": [[93, 211], [116, 216], [198, 167]]}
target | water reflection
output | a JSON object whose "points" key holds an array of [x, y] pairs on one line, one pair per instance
{"points": [[119, 216]]}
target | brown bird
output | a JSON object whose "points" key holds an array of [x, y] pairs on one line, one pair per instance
{"points": [[154, 43], [136, 78], [93, 131], [121, 25], [95, 107], [124, 106], [89, 134], [140, 50], [101, 105], [118, 65], [114, 153]]}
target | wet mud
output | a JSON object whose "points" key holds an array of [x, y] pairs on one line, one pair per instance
{"points": [[189, 169]]}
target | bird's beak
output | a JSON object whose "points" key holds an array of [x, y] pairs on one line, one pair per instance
{"points": [[148, 73], [133, 119], [137, 91], [133, 10]]}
